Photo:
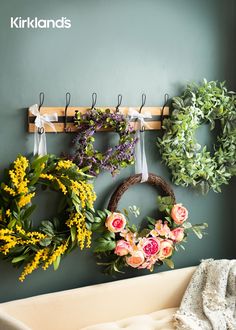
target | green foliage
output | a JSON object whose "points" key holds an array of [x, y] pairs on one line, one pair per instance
{"points": [[169, 263], [198, 229], [104, 244], [113, 265], [165, 203], [190, 164]]}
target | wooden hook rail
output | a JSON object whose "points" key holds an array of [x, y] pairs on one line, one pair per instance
{"points": [[154, 123]]}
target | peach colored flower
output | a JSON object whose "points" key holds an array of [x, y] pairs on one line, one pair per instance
{"points": [[150, 246], [179, 214], [166, 249], [122, 248], [154, 233], [136, 259], [177, 234], [149, 262], [162, 230], [115, 222], [128, 236]]}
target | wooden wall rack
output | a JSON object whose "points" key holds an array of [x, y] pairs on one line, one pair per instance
{"points": [[154, 123]]}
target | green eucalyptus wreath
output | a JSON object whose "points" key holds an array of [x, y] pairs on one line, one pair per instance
{"points": [[190, 163]]}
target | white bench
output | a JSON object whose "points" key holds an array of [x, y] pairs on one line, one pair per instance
{"points": [[109, 302]]}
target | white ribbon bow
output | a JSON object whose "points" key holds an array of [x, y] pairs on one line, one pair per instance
{"points": [[140, 155], [40, 145]]}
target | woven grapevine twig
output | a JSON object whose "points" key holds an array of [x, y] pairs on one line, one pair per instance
{"points": [[153, 179]]}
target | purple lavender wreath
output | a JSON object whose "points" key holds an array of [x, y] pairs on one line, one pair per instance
{"points": [[113, 159]]}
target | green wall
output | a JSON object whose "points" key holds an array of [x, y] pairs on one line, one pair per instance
{"points": [[114, 47]]}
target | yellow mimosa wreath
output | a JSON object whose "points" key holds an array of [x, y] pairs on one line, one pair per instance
{"points": [[32, 248]]}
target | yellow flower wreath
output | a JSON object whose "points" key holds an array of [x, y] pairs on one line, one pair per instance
{"points": [[53, 238]]}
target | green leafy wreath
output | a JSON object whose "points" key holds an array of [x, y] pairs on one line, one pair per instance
{"points": [[190, 164], [43, 246]]}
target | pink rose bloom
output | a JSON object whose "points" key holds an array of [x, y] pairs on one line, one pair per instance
{"points": [[150, 246], [166, 249], [179, 214], [136, 259], [177, 234], [115, 222], [122, 248]]}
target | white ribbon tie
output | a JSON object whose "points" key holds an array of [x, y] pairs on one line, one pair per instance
{"points": [[40, 145], [140, 154]]}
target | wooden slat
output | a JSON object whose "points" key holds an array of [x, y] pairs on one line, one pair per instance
{"points": [[59, 126]]}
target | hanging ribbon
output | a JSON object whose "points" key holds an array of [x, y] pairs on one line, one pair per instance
{"points": [[140, 154], [40, 145]]}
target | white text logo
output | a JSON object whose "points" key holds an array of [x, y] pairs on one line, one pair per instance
{"points": [[36, 23]]}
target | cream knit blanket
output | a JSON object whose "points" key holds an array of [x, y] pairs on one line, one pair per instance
{"points": [[210, 299]]}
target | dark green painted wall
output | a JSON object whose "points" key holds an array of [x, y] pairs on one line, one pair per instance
{"points": [[113, 47]]}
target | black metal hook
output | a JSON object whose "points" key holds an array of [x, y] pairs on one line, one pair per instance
{"points": [[41, 130], [68, 97], [166, 99], [119, 102], [142, 129], [143, 102], [41, 100], [94, 100]]}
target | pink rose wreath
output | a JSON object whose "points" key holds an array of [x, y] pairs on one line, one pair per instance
{"points": [[120, 244]]}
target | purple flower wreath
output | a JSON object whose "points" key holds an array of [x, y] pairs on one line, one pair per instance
{"points": [[113, 159]]}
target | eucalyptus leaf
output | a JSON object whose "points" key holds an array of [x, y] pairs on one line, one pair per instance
{"points": [[73, 233], [27, 213], [56, 263], [20, 258], [103, 245], [102, 214], [169, 263], [45, 241]]}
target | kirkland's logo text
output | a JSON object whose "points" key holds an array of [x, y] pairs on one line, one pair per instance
{"points": [[38, 23]]}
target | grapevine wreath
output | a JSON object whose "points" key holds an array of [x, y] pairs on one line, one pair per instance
{"points": [[120, 244], [21, 244], [189, 163], [112, 159]]}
